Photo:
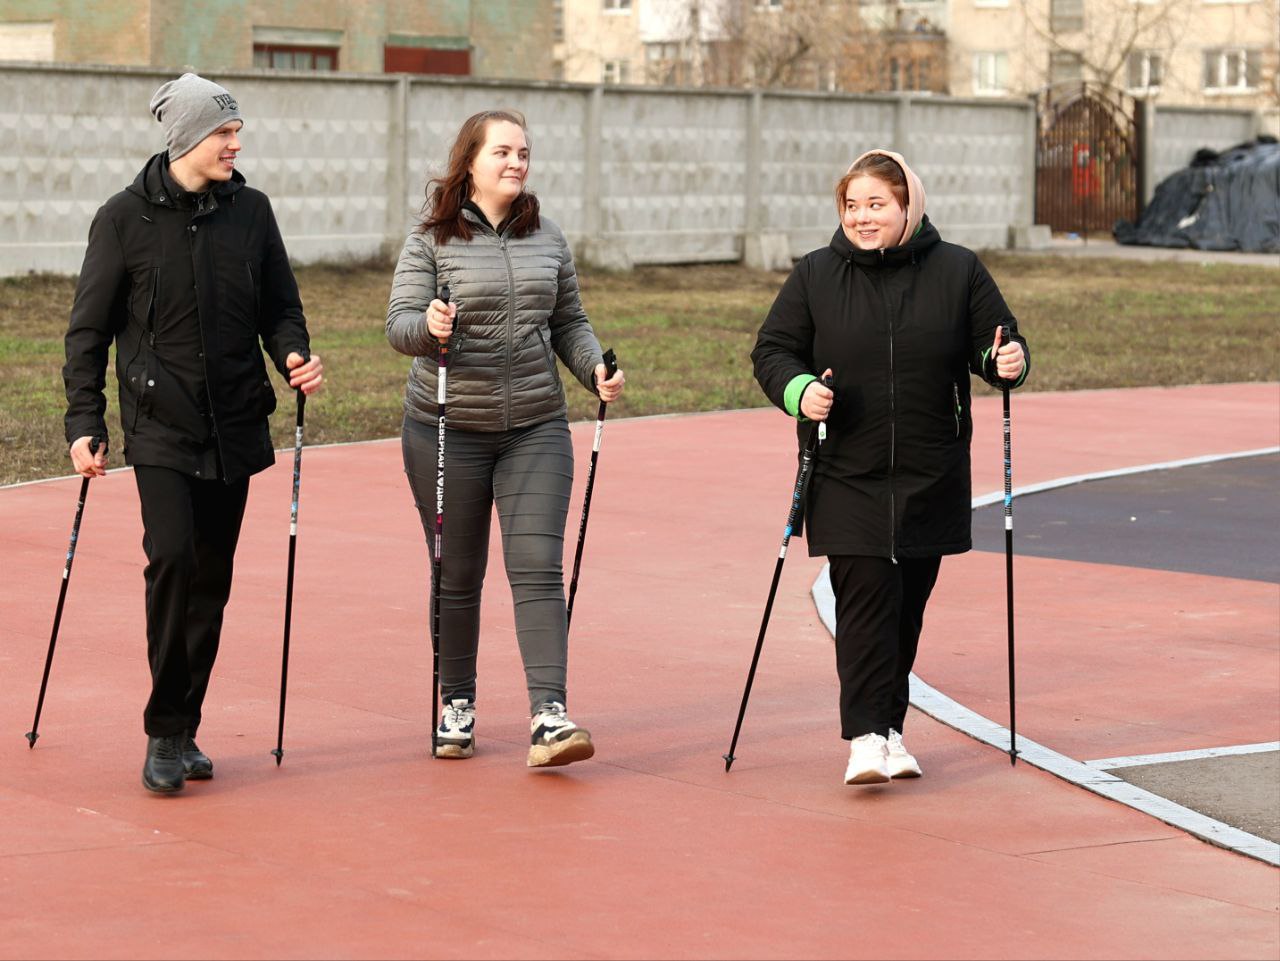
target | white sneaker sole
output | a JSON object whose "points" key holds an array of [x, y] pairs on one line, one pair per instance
{"points": [[869, 776], [576, 747], [454, 750], [904, 771]]}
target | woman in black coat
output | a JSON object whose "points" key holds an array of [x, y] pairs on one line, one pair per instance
{"points": [[899, 319]]}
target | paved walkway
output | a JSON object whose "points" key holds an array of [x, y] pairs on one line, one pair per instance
{"points": [[1102, 245], [361, 846]]}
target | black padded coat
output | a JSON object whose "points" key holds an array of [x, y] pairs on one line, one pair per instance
{"points": [[190, 296], [902, 330]]}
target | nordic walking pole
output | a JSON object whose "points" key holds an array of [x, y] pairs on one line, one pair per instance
{"points": [[807, 458], [1008, 557], [293, 544], [34, 734], [611, 368], [442, 373]]}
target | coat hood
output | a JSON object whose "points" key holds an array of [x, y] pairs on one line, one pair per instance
{"points": [[915, 191]]}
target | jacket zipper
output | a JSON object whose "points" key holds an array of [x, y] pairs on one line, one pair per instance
{"points": [[511, 332], [955, 392], [204, 348], [151, 343], [893, 424]]}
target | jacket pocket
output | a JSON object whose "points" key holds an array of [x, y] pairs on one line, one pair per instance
{"points": [[163, 398], [544, 334], [256, 289]]}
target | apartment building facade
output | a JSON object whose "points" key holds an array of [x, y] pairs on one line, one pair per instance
{"points": [[797, 44], [1178, 52], [483, 38]]}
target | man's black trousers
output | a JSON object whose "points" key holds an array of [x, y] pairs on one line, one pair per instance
{"points": [[191, 528], [879, 614]]}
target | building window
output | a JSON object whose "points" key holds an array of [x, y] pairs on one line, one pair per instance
{"points": [[908, 73], [1232, 70], [557, 21], [293, 48], [616, 6], [26, 41], [1146, 70], [991, 74], [280, 56], [1066, 16], [1065, 67], [412, 59], [616, 71], [768, 4]]}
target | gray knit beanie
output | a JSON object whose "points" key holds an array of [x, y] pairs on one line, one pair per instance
{"points": [[191, 108]]}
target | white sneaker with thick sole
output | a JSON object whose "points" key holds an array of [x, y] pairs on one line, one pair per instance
{"points": [[556, 740], [456, 735], [901, 763], [868, 760]]}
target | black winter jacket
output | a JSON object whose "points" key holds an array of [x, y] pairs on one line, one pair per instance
{"points": [[901, 329], [187, 293]]}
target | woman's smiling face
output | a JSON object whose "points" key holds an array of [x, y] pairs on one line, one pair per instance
{"points": [[872, 218]]}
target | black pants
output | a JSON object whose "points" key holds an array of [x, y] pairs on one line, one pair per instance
{"points": [[879, 614], [191, 528], [528, 474]]}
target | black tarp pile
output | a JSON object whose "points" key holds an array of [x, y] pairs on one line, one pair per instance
{"points": [[1223, 201]]}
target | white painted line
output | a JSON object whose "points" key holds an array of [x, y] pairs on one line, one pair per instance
{"points": [[955, 715], [998, 496], [1111, 763], [1092, 776]]}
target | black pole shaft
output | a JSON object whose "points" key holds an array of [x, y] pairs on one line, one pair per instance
{"points": [[611, 368], [437, 567], [1008, 573], [288, 590], [34, 734], [797, 499]]}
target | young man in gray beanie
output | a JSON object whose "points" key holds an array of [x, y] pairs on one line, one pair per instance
{"points": [[186, 272]]}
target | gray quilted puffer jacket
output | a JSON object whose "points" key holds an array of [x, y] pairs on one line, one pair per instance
{"points": [[517, 303]]}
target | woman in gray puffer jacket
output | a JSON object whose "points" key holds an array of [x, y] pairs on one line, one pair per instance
{"points": [[513, 308]]}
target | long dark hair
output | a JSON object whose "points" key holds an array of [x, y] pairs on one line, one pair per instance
{"points": [[442, 211]]}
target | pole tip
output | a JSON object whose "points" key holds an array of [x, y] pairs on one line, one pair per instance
{"points": [[728, 761], [31, 737], [278, 753]]}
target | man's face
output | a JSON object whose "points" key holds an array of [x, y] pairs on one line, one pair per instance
{"points": [[214, 157]]}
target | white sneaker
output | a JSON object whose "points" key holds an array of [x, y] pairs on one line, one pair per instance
{"points": [[901, 763], [456, 735], [868, 760], [556, 740]]}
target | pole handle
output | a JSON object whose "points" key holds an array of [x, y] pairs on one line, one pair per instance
{"points": [[610, 361], [443, 295], [990, 373]]}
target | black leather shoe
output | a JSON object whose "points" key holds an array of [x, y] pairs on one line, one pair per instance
{"points": [[195, 763], [162, 774]]}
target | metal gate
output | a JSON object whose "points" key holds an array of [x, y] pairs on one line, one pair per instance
{"points": [[1086, 160]]}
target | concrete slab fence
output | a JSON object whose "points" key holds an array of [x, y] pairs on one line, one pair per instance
{"points": [[633, 175]]}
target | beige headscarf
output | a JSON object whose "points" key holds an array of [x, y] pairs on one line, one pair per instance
{"points": [[915, 191]]}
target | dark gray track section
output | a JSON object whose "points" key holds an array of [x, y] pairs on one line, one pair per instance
{"points": [[1221, 519], [1242, 790]]}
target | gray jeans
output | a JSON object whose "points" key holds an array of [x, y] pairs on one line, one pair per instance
{"points": [[528, 473]]}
